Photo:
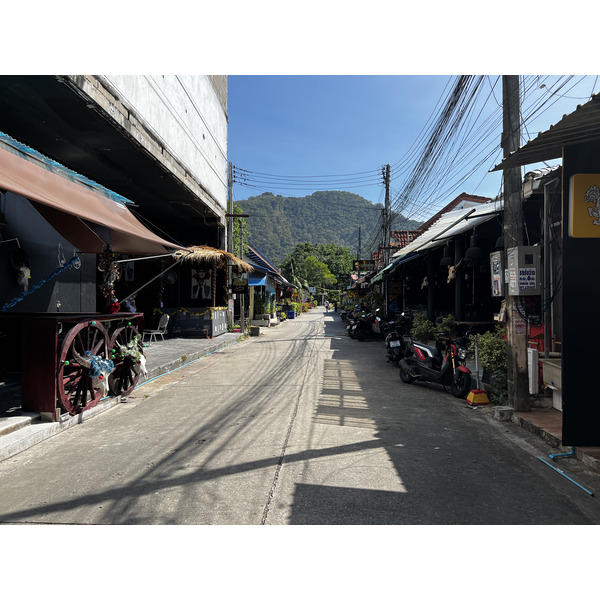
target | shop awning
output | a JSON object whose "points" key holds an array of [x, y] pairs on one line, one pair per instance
{"points": [[83, 212], [257, 279]]}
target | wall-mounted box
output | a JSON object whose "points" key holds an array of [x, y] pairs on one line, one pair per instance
{"points": [[523, 266]]}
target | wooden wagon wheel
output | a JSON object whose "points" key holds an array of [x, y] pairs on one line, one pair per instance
{"points": [[124, 378], [74, 390]]}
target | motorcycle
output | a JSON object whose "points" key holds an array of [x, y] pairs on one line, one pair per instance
{"points": [[395, 339], [368, 326], [351, 323], [443, 363]]}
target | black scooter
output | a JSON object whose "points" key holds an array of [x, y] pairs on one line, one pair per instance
{"points": [[443, 363], [368, 327], [395, 339]]}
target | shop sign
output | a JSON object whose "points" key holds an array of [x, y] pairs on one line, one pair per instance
{"points": [[584, 205]]}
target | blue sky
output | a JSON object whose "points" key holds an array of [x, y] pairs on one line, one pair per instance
{"points": [[293, 133]]}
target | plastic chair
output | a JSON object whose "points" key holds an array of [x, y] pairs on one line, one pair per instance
{"points": [[162, 329]]}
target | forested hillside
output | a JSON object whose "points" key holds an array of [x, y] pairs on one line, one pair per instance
{"points": [[278, 224]]}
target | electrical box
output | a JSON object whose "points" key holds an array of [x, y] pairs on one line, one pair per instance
{"points": [[497, 272], [523, 266]]}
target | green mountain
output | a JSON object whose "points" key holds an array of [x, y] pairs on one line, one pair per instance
{"points": [[278, 224]]}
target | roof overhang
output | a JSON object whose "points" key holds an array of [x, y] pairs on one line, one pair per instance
{"points": [[81, 213], [450, 225], [579, 127]]}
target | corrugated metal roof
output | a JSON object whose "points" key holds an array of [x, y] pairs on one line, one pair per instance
{"points": [[24, 151], [450, 225], [578, 127]]}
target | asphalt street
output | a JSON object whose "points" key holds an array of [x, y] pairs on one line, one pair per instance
{"points": [[301, 425]]}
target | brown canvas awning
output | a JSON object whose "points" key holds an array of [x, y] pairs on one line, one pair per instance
{"points": [[85, 217]]}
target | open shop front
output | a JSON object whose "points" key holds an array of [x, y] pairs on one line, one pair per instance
{"points": [[65, 333]]}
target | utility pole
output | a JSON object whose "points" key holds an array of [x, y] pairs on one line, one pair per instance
{"points": [[359, 244], [230, 309], [241, 255], [387, 221], [518, 388]]}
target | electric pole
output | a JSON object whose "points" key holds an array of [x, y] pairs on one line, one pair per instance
{"points": [[230, 309], [359, 245], [518, 388], [387, 220]]}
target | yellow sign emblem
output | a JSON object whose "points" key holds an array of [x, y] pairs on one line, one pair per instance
{"points": [[584, 205]]}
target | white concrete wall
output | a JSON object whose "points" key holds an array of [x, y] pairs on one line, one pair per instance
{"points": [[185, 113]]}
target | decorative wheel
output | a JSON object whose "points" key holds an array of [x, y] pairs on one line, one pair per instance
{"points": [[127, 355], [77, 388]]}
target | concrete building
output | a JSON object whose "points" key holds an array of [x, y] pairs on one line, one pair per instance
{"points": [[159, 142]]}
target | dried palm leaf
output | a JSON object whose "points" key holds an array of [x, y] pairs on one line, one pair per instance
{"points": [[212, 255]]}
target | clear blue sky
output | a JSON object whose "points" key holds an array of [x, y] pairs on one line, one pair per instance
{"points": [[301, 133]]}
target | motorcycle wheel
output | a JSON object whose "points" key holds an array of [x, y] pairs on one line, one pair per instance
{"points": [[405, 376], [461, 386]]}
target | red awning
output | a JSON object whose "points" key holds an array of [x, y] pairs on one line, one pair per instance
{"points": [[85, 217]]}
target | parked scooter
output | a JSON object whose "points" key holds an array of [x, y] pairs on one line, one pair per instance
{"points": [[396, 338], [443, 363], [351, 323], [368, 327]]}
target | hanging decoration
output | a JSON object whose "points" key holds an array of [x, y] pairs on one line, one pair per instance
{"points": [[20, 263], [134, 352], [74, 262], [112, 274], [99, 369]]}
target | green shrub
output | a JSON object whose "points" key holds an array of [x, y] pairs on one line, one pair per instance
{"points": [[491, 347], [447, 325], [492, 356], [422, 328]]}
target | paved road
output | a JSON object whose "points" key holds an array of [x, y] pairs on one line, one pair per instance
{"points": [[299, 426]]}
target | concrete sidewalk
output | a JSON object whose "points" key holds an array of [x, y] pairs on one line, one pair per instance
{"points": [[19, 430]]}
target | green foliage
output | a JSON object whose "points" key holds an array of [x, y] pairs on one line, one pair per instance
{"points": [[241, 231], [425, 330], [492, 356], [422, 328], [447, 324], [279, 223], [317, 273], [491, 350], [308, 265]]}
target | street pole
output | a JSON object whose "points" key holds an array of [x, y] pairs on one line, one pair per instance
{"points": [[518, 387], [230, 309], [387, 233], [387, 221], [242, 295]]}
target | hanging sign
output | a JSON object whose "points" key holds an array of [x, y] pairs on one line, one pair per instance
{"points": [[240, 282], [363, 265], [584, 205]]}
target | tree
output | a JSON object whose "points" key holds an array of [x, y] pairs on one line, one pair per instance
{"points": [[318, 274], [240, 229], [338, 260]]}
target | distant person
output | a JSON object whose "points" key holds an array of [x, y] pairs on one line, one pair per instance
{"points": [[335, 306], [326, 305]]}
